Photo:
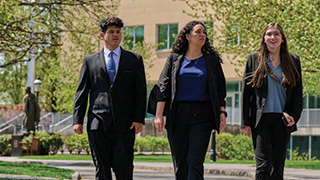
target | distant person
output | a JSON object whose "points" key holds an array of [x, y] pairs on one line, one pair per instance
{"points": [[114, 81], [193, 86], [272, 86], [31, 110]]}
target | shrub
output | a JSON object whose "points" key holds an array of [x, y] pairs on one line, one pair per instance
{"points": [[237, 147], [164, 144], [77, 143], [48, 142], [5, 144], [224, 145], [242, 148], [141, 144], [70, 143], [56, 142]]}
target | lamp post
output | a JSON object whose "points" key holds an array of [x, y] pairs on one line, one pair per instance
{"points": [[37, 86], [213, 147]]}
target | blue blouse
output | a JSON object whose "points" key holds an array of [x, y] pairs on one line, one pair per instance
{"points": [[192, 80], [276, 97]]}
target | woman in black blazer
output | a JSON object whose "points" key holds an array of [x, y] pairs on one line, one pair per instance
{"points": [[192, 85], [271, 101]]}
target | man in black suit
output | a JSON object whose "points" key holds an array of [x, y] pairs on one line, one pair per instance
{"points": [[115, 81]]}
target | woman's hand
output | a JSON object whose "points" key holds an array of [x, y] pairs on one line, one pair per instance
{"points": [[290, 121], [222, 121], [159, 123], [247, 129]]}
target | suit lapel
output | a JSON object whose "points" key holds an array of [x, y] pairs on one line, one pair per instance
{"points": [[101, 60], [175, 69], [122, 63]]}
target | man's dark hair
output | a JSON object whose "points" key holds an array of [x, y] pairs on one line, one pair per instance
{"points": [[110, 21]]}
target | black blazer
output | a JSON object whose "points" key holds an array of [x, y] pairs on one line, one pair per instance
{"points": [[253, 99], [122, 103], [216, 84]]}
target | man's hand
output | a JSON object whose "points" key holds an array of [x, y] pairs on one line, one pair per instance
{"points": [[78, 128], [138, 127]]}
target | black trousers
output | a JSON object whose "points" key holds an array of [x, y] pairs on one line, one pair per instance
{"points": [[270, 141], [189, 139], [112, 150]]}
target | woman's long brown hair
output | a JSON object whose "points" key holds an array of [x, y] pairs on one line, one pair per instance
{"points": [[287, 64]]}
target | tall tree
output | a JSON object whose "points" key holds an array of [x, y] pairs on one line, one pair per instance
{"points": [[244, 21], [49, 28]]}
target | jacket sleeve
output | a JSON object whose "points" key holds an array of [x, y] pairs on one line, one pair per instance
{"points": [[221, 82], [297, 92], [81, 97], [164, 82], [140, 92], [247, 93]]}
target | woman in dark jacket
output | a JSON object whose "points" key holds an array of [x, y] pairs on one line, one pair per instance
{"points": [[192, 85], [272, 101]]}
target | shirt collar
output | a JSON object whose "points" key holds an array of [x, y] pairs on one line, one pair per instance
{"points": [[116, 51]]}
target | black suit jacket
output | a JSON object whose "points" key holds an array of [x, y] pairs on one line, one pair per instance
{"points": [[253, 99], [216, 84], [122, 103]]}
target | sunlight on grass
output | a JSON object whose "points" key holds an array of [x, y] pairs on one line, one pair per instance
{"points": [[168, 159]]}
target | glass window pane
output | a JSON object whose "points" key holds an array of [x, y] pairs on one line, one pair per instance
{"points": [[232, 86], [173, 34], [312, 101], [162, 36], [139, 34], [237, 98], [305, 102], [317, 105]]}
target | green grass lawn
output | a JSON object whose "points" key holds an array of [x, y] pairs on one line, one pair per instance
{"points": [[33, 169], [167, 158]]}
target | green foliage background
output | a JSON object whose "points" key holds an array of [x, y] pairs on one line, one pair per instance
{"points": [[248, 18]]}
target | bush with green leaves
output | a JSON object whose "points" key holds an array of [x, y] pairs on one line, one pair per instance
{"points": [[304, 156], [224, 145], [242, 148], [141, 144], [49, 143], [77, 143], [70, 143], [5, 144], [237, 147]]}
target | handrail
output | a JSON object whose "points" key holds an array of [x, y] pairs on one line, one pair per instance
{"points": [[11, 120], [65, 128], [65, 119], [11, 125], [44, 116]]}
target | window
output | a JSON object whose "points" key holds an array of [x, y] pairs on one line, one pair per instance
{"points": [[314, 102], [133, 35], [233, 86], [166, 35]]}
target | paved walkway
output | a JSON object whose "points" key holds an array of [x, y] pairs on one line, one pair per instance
{"points": [[240, 170]]}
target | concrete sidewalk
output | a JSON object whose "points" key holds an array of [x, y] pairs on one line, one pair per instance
{"points": [[243, 170]]}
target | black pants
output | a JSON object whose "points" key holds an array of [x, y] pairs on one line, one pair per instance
{"points": [[270, 141], [113, 149], [189, 139]]}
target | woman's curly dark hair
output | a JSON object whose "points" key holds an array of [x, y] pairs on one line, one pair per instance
{"points": [[181, 44]]}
